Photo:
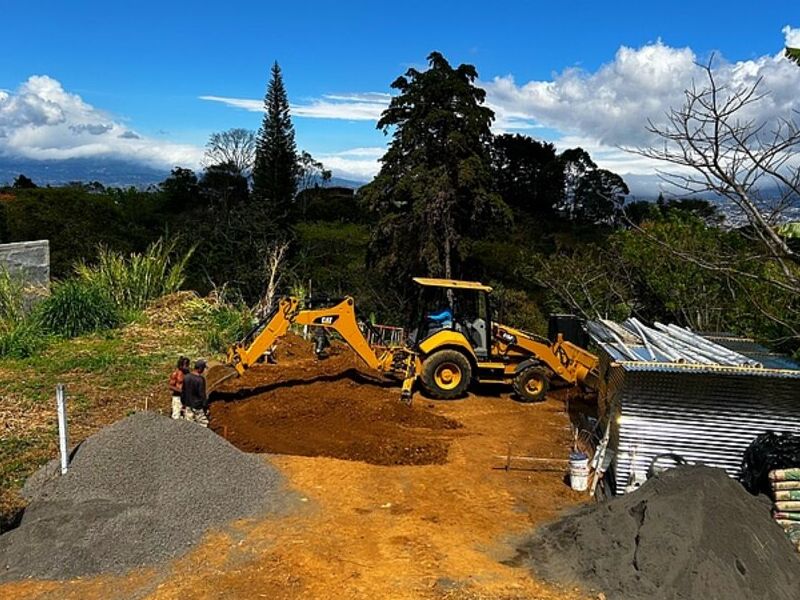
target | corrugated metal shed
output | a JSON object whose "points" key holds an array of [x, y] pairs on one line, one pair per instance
{"points": [[702, 412]]}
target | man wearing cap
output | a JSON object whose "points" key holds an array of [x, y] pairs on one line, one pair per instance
{"points": [[193, 395]]}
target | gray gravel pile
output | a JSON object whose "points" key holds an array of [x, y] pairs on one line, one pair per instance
{"points": [[140, 491], [689, 533]]}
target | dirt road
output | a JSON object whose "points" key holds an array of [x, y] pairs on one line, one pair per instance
{"points": [[391, 502]]}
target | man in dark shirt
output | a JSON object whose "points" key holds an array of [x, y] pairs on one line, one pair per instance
{"points": [[193, 395]]}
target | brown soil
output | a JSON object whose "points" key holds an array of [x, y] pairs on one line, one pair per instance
{"points": [[336, 411], [362, 530]]}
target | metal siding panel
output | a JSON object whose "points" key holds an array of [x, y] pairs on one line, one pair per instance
{"points": [[704, 417]]}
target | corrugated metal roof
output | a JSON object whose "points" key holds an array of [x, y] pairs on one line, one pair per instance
{"points": [[634, 356], [694, 368], [749, 347], [706, 407]]}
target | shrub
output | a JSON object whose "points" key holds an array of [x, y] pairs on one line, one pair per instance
{"points": [[12, 297], [517, 309], [219, 323], [77, 307], [22, 339], [227, 325], [133, 281]]}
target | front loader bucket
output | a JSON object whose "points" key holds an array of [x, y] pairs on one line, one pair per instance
{"points": [[217, 373]]}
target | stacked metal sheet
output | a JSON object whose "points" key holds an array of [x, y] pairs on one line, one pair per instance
{"points": [[702, 398]]}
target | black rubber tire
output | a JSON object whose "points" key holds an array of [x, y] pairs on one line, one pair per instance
{"points": [[523, 378], [437, 360]]}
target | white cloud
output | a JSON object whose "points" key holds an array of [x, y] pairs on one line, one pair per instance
{"points": [[40, 120], [361, 164], [609, 108], [613, 104], [352, 107], [792, 35], [366, 106], [245, 103]]}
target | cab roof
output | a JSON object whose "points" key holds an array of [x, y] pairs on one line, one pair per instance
{"points": [[452, 283]]}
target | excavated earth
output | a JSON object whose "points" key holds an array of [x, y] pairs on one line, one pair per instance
{"points": [[329, 407], [389, 501]]}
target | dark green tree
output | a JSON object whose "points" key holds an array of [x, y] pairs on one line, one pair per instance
{"points": [[434, 190], [312, 178], [599, 197], [275, 171], [693, 207], [642, 210], [528, 175], [21, 182], [223, 186], [576, 162], [181, 190]]}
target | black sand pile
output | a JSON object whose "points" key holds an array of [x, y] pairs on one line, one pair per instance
{"points": [[690, 533], [140, 491]]}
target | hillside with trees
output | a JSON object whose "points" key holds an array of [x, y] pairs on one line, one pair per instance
{"points": [[550, 230]]}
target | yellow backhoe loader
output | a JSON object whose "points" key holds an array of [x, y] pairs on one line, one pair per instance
{"points": [[453, 343]]}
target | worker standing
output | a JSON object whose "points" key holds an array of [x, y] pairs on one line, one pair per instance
{"points": [[193, 395], [176, 386]]}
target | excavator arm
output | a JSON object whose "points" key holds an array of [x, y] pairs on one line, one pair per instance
{"points": [[341, 318]]}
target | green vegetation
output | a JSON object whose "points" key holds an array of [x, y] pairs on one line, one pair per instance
{"points": [[434, 188], [22, 339], [11, 297], [219, 322], [20, 333], [133, 281], [276, 168], [549, 230], [77, 307]]}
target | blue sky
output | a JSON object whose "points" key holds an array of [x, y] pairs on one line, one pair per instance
{"points": [[144, 66]]}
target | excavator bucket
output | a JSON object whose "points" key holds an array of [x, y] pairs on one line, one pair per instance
{"points": [[217, 373]]}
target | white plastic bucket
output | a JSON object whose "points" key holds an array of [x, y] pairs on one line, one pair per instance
{"points": [[578, 471]]}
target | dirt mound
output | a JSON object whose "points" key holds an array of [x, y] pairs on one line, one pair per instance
{"points": [[292, 346], [334, 408], [296, 364], [689, 533], [137, 492]]}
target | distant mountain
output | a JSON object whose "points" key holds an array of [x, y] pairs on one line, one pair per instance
{"points": [[344, 183], [109, 172]]}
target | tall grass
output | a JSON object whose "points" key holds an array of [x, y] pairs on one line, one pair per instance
{"points": [[20, 332], [22, 339], [12, 297], [133, 281], [77, 307], [221, 321]]}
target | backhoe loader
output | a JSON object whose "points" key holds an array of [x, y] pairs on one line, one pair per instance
{"points": [[454, 343]]}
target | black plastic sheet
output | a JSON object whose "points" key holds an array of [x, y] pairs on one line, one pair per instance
{"points": [[768, 451]]}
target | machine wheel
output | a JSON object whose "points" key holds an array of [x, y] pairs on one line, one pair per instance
{"points": [[446, 374], [532, 384]]}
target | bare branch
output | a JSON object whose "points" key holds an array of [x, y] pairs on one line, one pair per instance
{"points": [[714, 148], [235, 147]]}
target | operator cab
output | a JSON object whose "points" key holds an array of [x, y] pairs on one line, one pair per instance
{"points": [[460, 306]]}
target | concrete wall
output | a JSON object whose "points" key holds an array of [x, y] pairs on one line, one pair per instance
{"points": [[31, 260]]}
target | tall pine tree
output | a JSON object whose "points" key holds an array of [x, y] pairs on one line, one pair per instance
{"points": [[275, 171], [434, 190]]}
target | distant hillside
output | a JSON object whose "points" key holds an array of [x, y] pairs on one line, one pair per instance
{"points": [[345, 183], [109, 172]]}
